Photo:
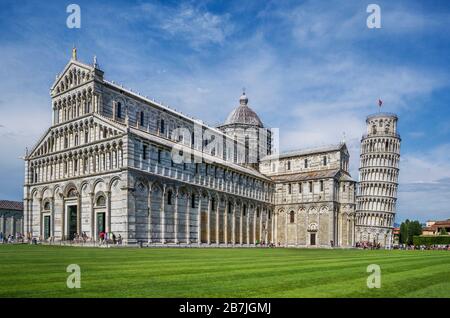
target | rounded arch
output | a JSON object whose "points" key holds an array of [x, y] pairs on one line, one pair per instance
{"points": [[313, 227], [70, 189], [100, 199]]}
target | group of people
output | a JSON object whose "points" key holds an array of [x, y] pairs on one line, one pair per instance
{"points": [[366, 245], [83, 238], [18, 238], [108, 238]]}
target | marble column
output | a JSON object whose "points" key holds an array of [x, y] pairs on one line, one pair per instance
{"points": [[41, 225], [149, 213], [296, 227], [199, 221], [162, 216], [226, 222], [188, 219], [247, 226], [241, 225], [209, 221], [176, 217], [233, 225], [286, 229], [93, 234], [52, 217], [218, 222], [108, 211], [255, 217]]}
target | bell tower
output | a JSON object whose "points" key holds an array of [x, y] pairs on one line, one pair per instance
{"points": [[378, 180]]}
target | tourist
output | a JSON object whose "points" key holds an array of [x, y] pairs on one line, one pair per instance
{"points": [[102, 237]]}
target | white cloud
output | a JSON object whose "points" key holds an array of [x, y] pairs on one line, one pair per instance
{"points": [[424, 189], [193, 24]]}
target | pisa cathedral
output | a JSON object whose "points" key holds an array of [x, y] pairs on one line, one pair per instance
{"points": [[117, 162]]}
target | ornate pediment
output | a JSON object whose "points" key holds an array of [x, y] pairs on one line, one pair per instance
{"points": [[73, 129], [74, 74]]}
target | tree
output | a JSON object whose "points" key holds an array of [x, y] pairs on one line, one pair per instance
{"points": [[443, 231], [404, 232], [408, 230]]}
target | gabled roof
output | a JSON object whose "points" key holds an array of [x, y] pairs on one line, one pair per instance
{"points": [[308, 151], [97, 117], [71, 63], [11, 205]]}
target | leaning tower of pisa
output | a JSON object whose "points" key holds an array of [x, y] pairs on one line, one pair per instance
{"points": [[378, 180]]}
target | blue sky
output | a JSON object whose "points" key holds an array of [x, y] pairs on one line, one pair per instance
{"points": [[311, 68]]}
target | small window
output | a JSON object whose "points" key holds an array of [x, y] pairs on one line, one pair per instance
{"points": [[144, 152], [343, 188], [101, 201], [244, 210], [162, 127], [306, 163], [324, 160], [257, 212], [159, 155], [169, 197], [47, 206], [299, 188], [86, 136], [310, 186], [141, 120], [213, 203], [229, 207], [119, 110], [193, 201], [292, 217], [321, 185], [289, 188], [289, 165]]}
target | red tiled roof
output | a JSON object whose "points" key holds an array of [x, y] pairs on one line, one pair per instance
{"points": [[11, 205], [445, 223]]}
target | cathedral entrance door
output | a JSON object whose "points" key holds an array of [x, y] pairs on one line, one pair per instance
{"points": [[46, 227], [100, 223], [312, 237], [72, 221]]}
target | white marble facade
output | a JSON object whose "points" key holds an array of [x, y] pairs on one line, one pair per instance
{"points": [[107, 164]]}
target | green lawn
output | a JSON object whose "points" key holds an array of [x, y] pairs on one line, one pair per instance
{"points": [[40, 271]]}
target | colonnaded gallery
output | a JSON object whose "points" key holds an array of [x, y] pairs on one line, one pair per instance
{"points": [[117, 162]]}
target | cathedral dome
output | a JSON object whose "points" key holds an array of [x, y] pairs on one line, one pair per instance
{"points": [[243, 114]]}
